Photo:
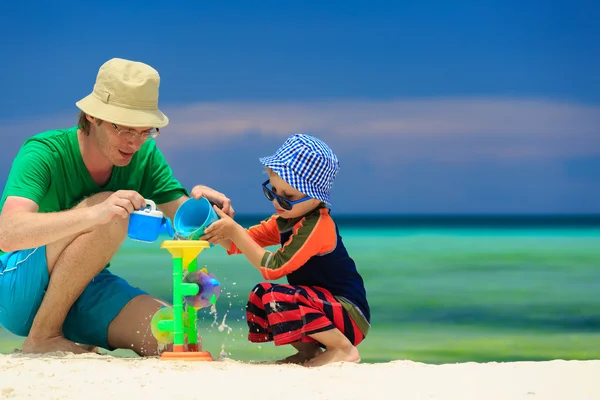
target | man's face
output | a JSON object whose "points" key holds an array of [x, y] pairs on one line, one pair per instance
{"points": [[118, 143]]}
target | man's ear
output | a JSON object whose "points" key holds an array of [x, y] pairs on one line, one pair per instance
{"points": [[90, 118]]}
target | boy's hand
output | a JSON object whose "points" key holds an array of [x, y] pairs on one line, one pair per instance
{"points": [[226, 231], [222, 229]]}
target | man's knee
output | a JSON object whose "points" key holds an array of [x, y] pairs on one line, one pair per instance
{"points": [[115, 228], [113, 232]]}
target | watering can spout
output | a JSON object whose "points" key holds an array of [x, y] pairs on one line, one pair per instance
{"points": [[166, 227]]}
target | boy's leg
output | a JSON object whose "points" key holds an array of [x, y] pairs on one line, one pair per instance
{"points": [[256, 316], [306, 351], [339, 348], [260, 331], [312, 315], [72, 263]]}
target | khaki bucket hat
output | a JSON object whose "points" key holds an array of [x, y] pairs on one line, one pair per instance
{"points": [[125, 93]]}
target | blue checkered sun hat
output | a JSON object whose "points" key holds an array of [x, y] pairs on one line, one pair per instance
{"points": [[307, 164]]}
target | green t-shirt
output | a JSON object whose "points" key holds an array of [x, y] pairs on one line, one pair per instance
{"points": [[49, 170]]}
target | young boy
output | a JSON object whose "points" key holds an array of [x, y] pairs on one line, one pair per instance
{"points": [[324, 304]]}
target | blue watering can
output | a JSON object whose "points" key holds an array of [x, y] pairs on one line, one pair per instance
{"points": [[146, 224]]}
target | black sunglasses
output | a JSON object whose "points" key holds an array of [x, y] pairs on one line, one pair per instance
{"points": [[282, 201]]}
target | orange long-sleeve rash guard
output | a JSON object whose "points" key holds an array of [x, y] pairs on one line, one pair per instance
{"points": [[313, 234]]}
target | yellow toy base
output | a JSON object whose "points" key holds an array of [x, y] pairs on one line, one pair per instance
{"points": [[186, 356]]}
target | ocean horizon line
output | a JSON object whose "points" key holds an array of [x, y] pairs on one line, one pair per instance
{"points": [[453, 220]]}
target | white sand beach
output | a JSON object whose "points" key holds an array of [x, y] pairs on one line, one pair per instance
{"points": [[60, 376]]}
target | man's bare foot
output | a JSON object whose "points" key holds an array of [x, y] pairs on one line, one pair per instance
{"points": [[50, 345], [347, 354], [89, 348]]}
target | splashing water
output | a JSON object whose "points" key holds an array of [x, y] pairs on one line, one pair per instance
{"points": [[223, 353], [213, 311], [224, 325]]}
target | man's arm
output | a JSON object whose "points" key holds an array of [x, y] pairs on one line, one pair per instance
{"points": [[161, 186], [214, 196], [22, 227], [169, 209]]}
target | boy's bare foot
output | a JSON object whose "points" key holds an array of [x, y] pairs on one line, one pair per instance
{"points": [[299, 358], [346, 354], [306, 351], [49, 345]]}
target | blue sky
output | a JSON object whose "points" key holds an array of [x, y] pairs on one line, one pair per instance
{"points": [[432, 107]]}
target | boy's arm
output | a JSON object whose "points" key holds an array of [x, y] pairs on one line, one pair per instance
{"points": [[245, 244], [264, 234], [222, 231], [310, 237]]}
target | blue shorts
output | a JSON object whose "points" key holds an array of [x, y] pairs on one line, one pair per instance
{"points": [[23, 282]]}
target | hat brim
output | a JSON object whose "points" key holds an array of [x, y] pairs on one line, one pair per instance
{"points": [[286, 173], [134, 118]]}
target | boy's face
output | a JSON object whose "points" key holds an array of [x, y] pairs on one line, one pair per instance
{"points": [[283, 189]]}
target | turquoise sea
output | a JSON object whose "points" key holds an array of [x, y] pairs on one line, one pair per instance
{"points": [[441, 289]]}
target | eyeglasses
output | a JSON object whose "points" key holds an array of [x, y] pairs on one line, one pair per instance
{"points": [[131, 134], [283, 202]]}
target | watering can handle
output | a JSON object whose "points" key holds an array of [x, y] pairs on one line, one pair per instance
{"points": [[150, 205]]}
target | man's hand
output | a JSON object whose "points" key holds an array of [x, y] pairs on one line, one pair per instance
{"points": [[216, 197], [221, 230], [119, 204]]}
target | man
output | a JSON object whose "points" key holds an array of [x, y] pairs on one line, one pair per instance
{"points": [[64, 214]]}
